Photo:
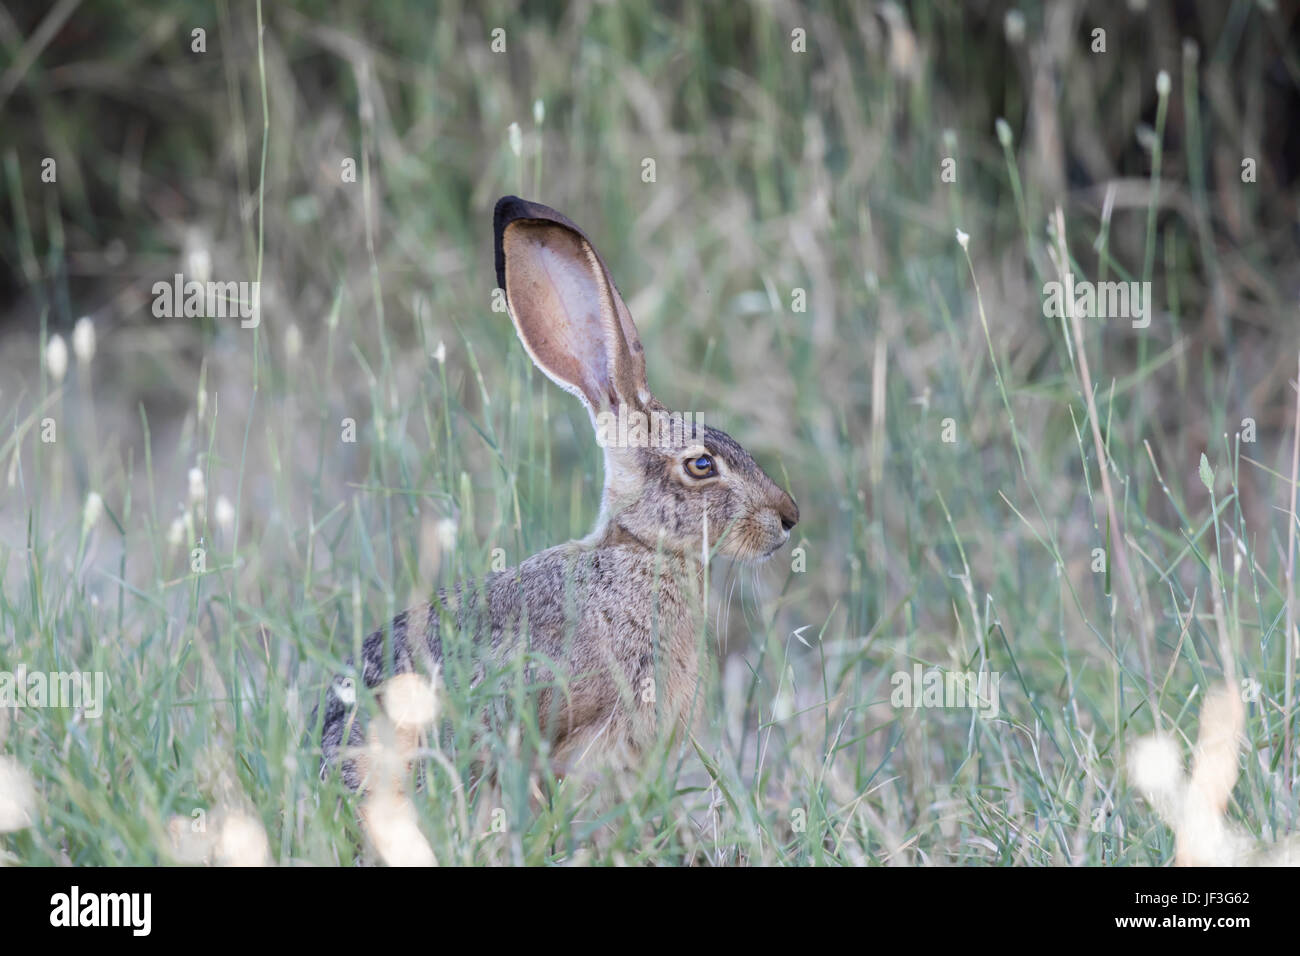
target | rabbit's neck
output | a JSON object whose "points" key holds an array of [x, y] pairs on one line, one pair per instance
{"points": [[614, 535]]}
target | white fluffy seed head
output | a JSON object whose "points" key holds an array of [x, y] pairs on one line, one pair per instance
{"points": [[242, 842], [392, 824], [188, 844], [198, 258], [56, 358], [445, 530], [224, 512], [1156, 767], [1004, 131], [409, 701], [176, 532], [198, 490], [83, 340], [1014, 26], [17, 796], [93, 510]]}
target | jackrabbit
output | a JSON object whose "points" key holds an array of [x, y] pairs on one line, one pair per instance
{"points": [[614, 613]]}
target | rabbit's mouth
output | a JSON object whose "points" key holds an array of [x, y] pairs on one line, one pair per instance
{"points": [[767, 555], [759, 535], [761, 546], [783, 518]]}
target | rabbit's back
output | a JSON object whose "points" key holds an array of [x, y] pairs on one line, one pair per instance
{"points": [[608, 635]]}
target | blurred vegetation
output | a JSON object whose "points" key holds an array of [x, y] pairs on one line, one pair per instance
{"points": [[775, 171]]}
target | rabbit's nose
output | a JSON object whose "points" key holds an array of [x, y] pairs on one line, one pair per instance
{"points": [[789, 512]]}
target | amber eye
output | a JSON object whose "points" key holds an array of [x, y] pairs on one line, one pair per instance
{"points": [[701, 467]]}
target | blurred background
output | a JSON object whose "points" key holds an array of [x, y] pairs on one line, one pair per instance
{"points": [[776, 187]]}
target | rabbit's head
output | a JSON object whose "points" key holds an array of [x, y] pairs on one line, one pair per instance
{"points": [[670, 480]]}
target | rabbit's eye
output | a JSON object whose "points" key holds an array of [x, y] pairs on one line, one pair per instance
{"points": [[701, 467]]}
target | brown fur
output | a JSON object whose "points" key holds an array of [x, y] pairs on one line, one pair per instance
{"points": [[609, 626]]}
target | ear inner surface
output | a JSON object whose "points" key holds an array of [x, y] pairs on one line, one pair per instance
{"points": [[556, 301], [572, 266]]}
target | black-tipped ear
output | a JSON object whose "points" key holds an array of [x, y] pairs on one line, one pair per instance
{"points": [[510, 208], [565, 308]]}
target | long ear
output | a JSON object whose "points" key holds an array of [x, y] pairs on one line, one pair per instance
{"points": [[565, 307]]}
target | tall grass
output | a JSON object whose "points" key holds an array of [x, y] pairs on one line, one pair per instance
{"points": [[1064, 539]]}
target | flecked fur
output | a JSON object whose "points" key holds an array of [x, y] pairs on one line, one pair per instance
{"points": [[609, 625]]}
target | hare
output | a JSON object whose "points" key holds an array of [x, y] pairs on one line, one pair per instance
{"points": [[618, 611]]}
